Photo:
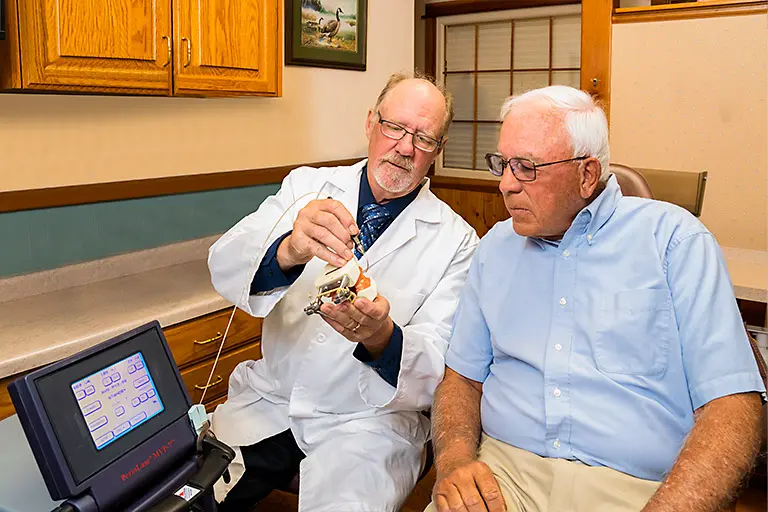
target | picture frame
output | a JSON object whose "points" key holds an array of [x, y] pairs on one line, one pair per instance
{"points": [[326, 33]]}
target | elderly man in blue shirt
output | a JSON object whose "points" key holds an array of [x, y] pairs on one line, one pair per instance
{"points": [[598, 360]]}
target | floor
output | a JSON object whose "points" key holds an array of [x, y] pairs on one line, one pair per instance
{"points": [[753, 500], [417, 502]]}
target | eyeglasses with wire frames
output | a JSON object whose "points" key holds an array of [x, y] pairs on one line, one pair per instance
{"points": [[522, 168], [396, 132]]}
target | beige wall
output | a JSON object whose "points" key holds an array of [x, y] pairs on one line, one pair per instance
{"points": [[691, 95], [48, 140]]}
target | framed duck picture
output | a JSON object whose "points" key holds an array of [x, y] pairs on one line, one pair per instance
{"points": [[326, 33]]}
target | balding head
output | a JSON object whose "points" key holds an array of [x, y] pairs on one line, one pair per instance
{"points": [[405, 131], [425, 81]]}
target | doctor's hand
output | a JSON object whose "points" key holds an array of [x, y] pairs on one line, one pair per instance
{"points": [[363, 321], [323, 228], [469, 486]]}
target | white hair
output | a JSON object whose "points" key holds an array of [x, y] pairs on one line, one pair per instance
{"points": [[583, 118]]}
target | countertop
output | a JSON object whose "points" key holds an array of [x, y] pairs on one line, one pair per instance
{"points": [[44, 328], [749, 273], [49, 315]]}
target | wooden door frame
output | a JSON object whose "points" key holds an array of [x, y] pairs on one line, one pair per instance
{"points": [[596, 41]]}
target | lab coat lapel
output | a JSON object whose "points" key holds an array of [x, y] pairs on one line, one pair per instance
{"points": [[344, 186], [423, 209]]}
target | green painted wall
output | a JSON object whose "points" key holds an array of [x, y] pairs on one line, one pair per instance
{"points": [[43, 239]]}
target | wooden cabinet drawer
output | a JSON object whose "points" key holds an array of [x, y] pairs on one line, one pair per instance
{"points": [[198, 339], [190, 343], [196, 376], [211, 405], [6, 406]]}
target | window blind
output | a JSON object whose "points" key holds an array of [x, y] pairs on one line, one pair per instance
{"points": [[486, 62]]}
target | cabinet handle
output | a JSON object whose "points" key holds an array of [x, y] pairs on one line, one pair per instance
{"points": [[189, 50], [168, 43], [218, 380], [209, 340]]}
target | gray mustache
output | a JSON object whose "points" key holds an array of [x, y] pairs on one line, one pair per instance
{"points": [[401, 162]]}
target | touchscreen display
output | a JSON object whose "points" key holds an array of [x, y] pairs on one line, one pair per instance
{"points": [[117, 399]]}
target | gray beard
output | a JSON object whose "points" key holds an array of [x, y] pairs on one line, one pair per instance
{"points": [[399, 185]]}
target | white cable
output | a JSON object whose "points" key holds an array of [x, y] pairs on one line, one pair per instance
{"points": [[247, 288]]}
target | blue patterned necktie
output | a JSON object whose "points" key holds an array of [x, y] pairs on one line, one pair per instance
{"points": [[374, 220]]}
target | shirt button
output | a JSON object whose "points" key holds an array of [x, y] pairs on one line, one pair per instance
{"points": [[557, 393], [320, 338], [589, 236], [556, 444], [566, 253], [558, 347], [563, 302]]}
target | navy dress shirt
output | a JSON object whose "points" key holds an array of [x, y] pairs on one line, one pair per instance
{"points": [[270, 276]]}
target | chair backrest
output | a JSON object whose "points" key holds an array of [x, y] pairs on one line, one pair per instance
{"points": [[683, 188], [631, 182]]}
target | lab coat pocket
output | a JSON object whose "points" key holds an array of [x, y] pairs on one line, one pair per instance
{"points": [[403, 305], [633, 332]]}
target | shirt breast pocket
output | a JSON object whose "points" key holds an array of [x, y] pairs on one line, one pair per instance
{"points": [[633, 332]]}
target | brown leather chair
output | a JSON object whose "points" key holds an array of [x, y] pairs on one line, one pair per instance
{"points": [[631, 182]]}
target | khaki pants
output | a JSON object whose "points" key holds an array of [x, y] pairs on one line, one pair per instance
{"points": [[531, 483]]}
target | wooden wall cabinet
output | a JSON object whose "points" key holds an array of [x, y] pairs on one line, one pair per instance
{"points": [[160, 47]]}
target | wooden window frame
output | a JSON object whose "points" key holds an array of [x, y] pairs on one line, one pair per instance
{"points": [[438, 54], [596, 29], [597, 19]]}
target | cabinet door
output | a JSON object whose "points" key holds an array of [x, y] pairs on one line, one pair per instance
{"points": [[227, 47], [96, 45], [6, 406]]}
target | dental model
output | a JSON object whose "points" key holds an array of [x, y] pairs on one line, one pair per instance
{"points": [[340, 284]]}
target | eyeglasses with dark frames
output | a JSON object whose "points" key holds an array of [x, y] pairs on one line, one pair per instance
{"points": [[396, 132], [523, 168]]}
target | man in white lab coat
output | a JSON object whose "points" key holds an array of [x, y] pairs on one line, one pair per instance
{"points": [[337, 396]]}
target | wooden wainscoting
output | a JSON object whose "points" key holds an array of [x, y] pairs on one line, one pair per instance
{"points": [[478, 201]]}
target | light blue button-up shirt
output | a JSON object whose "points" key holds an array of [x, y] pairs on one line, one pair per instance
{"points": [[599, 347]]}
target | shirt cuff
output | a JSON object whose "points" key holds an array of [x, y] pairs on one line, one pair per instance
{"points": [[388, 363], [269, 275]]}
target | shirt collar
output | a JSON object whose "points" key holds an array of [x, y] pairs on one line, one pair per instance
{"points": [[602, 208], [395, 207], [592, 217]]}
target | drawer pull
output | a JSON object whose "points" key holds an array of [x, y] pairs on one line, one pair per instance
{"points": [[210, 340], [218, 380]]}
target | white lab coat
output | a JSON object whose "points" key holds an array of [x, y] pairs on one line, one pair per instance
{"points": [[363, 438]]}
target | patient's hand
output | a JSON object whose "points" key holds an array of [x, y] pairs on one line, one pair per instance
{"points": [[469, 486], [363, 321]]}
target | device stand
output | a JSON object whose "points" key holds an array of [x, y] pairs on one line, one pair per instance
{"points": [[198, 473]]}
